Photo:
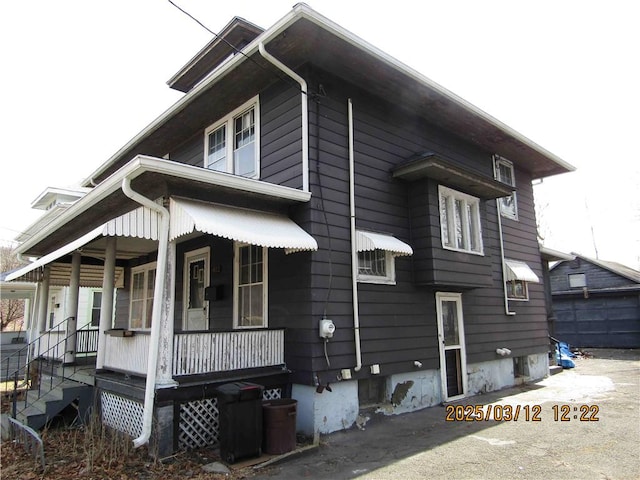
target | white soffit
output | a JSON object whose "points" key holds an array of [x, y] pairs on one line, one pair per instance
{"points": [[242, 225], [367, 241], [520, 271]]}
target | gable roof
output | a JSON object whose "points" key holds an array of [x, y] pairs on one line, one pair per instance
{"points": [[614, 267], [304, 36]]}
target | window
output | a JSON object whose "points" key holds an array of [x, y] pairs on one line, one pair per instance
{"points": [[143, 280], [95, 308], [503, 172], [517, 290], [376, 266], [460, 221], [250, 286], [577, 280], [232, 144]]}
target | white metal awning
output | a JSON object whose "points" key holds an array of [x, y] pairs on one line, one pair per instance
{"points": [[242, 225], [520, 271], [367, 241]]}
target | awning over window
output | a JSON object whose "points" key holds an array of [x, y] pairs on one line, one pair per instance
{"points": [[367, 241], [520, 271], [242, 225]]}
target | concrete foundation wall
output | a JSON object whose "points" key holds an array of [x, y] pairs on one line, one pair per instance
{"points": [[538, 366], [326, 412], [412, 391]]}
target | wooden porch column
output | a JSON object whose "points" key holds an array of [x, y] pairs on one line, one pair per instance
{"points": [[71, 313], [43, 301], [164, 372], [106, 304]]}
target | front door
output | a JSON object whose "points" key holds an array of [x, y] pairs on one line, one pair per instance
{"points": [[453, 362], [196, 279]]}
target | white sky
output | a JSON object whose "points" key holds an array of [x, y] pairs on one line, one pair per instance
{"points": [[81, 78]]}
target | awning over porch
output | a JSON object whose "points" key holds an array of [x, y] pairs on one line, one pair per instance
{"points": [[90, 275], [520, 271], [243, 225]]}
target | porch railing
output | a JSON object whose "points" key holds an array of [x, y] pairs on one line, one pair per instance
{"points": [[209, 352], [127, 354]]}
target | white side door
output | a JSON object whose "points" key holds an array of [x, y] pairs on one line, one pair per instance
{"points": [[453, 361]]}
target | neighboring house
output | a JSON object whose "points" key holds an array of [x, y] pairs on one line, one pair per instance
{"points": [[311, 214], [596, 303]]}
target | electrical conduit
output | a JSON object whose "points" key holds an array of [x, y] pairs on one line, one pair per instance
{"points": [[163, 244]]}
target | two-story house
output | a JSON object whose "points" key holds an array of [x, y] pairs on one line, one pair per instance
{"points": [[316, 217]]}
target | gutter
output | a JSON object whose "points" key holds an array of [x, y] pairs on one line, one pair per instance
{"points": [[305, 111], [504, 268], [161, 267]]}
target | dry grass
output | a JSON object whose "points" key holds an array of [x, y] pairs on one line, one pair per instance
{"points": [[97, 452]]}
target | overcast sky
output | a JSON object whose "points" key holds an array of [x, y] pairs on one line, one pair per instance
{"points": [[81, 78]]}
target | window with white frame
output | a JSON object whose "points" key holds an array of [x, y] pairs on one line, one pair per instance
{"points": [[96, 300], [143, 280], [504, 173], [376, 266], [517, 290], [250, 286], [460, 221], [232, 144]]}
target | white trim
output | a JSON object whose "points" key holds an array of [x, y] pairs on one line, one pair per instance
{"points": [[468, 200], [229, 122], [366, 241], [236, 286], [203, 253], [497, 162], [146, 268], [455, 297], [142, 164]]}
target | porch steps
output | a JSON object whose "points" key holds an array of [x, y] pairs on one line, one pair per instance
{"points": [[45, 408]]}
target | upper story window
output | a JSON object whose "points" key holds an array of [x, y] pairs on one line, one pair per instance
{"points": [[143, 281], [504, 173], [250, 286], [577, 280], [232, 144], [460, 221]]}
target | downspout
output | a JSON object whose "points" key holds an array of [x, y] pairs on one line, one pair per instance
{"points": [[354, 248], [161, 266], [305, 111], [504, 268]]}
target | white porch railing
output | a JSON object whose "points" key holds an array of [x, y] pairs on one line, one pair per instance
{"points": [[208, 352], [128, 354], [52, 344]]}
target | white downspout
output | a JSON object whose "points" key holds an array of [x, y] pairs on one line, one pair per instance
{"points": [[354, 248], [161, 266], [305, 112], [504, 269]]}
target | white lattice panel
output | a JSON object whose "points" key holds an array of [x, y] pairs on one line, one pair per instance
{"points": [[199, 424], [272, 394], [122, 414]]}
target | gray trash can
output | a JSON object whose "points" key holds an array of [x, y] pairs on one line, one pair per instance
{"points": [[279, 425]]}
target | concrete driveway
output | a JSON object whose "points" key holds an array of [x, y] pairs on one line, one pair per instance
{"points": [[604, 444]]}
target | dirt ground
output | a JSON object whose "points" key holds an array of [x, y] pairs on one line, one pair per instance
{"points": [[603, 389]]}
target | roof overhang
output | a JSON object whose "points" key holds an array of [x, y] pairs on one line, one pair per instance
{"points": [[304, 36], [551, 255], [153, 178], [432, 165]]}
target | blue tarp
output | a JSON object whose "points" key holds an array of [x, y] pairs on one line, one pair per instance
{"points": [[564, 355]]}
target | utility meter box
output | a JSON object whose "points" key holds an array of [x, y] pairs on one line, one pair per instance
{"points": [[327, 328]]}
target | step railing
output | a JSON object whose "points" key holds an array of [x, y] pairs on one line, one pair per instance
{"points": [[41, 365]]}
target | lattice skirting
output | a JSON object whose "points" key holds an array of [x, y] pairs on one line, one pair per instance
{"points": [[121, 414], [199, 421]]}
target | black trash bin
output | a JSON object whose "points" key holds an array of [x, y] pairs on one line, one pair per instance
{"points": [[279, 428], [240, 414]]}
